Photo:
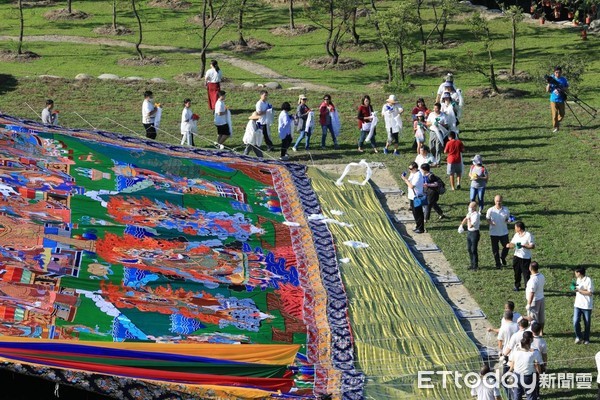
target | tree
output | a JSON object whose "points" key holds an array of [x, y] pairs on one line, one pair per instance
{"points": [[515, 16], [355, 36], [139, 42], [378, 31], [207, 37], [480, 28], [424, 38], [448, 9], [21, 28], [292, 25], [114, 15], [398, 27], [240, 25], [333, 16], [69, 8]]}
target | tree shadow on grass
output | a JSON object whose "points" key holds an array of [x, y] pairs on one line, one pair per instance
{"points": [[554, 212], [8, 83]]}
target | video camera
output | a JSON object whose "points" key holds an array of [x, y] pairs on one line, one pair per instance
{"points": [[556, 85], [552, 81]]}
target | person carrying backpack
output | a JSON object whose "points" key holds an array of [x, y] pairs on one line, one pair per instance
{"points": [[433, 187]]}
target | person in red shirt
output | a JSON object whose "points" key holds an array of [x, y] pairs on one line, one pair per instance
{"points": [[365, 118], [454, 148], [325, 110]]}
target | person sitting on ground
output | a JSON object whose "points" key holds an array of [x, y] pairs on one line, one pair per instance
{"points": [[49, 117]]}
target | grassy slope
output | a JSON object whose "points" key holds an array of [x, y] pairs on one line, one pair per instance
{"points": [[547, 180]]}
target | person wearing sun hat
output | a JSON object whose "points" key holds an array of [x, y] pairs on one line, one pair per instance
{"points": [[304, 122], [449, 110], [391, 112], [479, 177], [253, 136], [449, 78]]}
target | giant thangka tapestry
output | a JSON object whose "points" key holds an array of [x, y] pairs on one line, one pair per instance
{"points": [[144, 270]]}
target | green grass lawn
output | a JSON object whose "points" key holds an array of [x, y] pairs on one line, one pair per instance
{"points": [[548, 180]]}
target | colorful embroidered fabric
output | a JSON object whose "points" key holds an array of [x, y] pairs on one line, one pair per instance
{"points": [[183, 269]]}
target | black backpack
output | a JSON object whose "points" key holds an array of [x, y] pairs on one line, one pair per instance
{"points": [[441, 188]]}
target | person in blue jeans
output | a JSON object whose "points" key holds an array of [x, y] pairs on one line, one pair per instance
{"points": [[479, 177], [303, 122], [584, 297], [325, 110]]}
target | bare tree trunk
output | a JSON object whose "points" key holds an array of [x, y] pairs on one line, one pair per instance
{"points": [[355, 36], [388, 57], [139, 42], [241, 41], [401, 63], [114, 15], [330, 32], [21, 28], [423, 39], [492, 73], [513, 54], [205, 5], [69, 9], [211, 10], [292, 25]]}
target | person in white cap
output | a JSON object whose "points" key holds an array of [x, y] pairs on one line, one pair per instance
{"points": [[479, 177], [449, 78], [391, 112]]}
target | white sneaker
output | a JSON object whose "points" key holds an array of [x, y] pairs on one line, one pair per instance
{"points": [[294, 149], [221, 147], [586, 342], [577, 341], [555, 130]]}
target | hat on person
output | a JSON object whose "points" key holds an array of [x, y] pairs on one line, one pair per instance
{"points": [[477, 159], [302, 97], [254, 116], [391, 99], [420, 114], [449, 77], [446, 95], [448, 84]]}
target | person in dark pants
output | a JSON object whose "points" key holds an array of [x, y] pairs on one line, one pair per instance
{"points": [[523, 243], [432, 185], [414, 181], [265, 111], [148, 115], [473, 221], [498, 216], [285, 127]]}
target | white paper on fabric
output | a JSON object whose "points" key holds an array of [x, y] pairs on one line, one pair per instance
{"points": [[336, 124], [374, 122], [363, 164], [336, 212], [229, 123], [290, 223], [157, 117], [344, 260], [356, 245], [335, 221], [316, 217]]}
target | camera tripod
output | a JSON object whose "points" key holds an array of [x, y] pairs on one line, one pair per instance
{"points": [[591, 111]]}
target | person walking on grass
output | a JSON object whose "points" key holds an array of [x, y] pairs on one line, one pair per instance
{"points": [[472, 220], [523, 242], [526, 363], [222, 120], [414, 181], [305, 121], [49, 115], [212, 80], [285, 128], [365, 121], [454, 149], [487, 389], [253, 136], [265, 111], [149, 110], [498, 216], [326, 119], [425, 157], [534, 294], [584, 298], [432, 186], [420, 128], [558, 95], [508, 306], [392, 116], [479, 178], [438, 131], [188, 123]]}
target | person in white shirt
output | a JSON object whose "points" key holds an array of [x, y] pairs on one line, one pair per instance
{"points": [[285, 127], [473, 221], [523, 243], [253, 136], [391, 112], [438, 131], [597, 358], [263, 109], [498, 216], [534, 294], [222, 120], [525, 363], [488, 387], [415, 190], [186, 123], [508, 306], [212, 80], [515, 340], [540, 345], [148, 114], [425, 157], [507, 329], [48, 116], [584, 297], [448, 79]]}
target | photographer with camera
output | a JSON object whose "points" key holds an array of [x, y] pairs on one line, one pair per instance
{"points": [[557, 86]]}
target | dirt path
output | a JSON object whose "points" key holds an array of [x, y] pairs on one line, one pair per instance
{"points": [[249, 66]]}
